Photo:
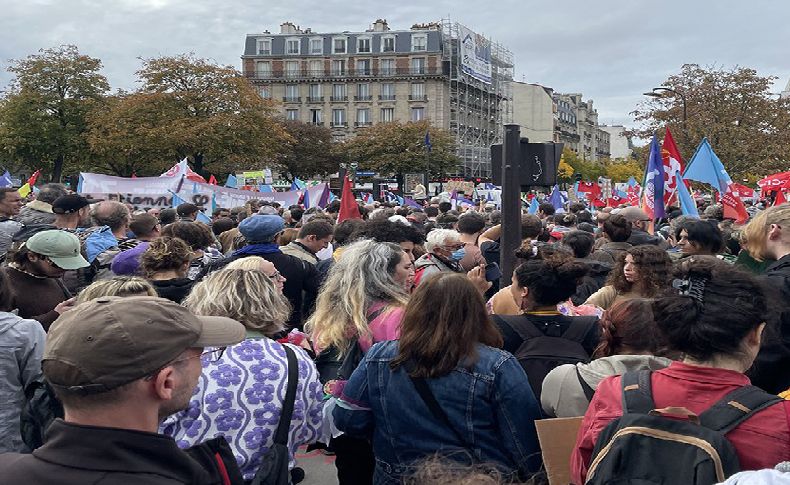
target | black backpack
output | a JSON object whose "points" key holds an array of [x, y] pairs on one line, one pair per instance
{"points": [[646, 446], [541, 352]]}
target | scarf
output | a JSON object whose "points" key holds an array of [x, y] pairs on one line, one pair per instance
{"points": [[257, 249]]}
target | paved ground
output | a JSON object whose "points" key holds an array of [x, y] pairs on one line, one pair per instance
{"points": [[319, 468]]}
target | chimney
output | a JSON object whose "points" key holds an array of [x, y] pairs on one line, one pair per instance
{"points": [[380, 25], [289, 28]]}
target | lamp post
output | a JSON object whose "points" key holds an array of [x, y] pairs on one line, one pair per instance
{"points": [[659, 93]]}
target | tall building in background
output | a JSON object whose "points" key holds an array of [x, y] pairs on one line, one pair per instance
{"points": [[535, 111], [441, 72], [578, 128], [620, 145]]}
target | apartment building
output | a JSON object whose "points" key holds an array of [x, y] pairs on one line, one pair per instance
{"points": [[577, 127]]}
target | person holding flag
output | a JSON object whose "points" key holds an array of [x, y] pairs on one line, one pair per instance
{"points": [[653, 196]]}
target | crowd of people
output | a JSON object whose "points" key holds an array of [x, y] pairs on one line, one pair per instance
{"points": [[142, 346]]}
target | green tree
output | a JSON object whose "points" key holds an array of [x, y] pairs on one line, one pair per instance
{"points": [[309, 151], [748, 127], [43, 114], [397, 148], [587, 169]]}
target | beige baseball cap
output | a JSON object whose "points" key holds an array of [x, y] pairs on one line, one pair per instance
{"points": [[111, 341], [61, 247]]}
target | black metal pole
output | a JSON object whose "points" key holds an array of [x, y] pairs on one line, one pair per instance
{"points": [[510, 239]]}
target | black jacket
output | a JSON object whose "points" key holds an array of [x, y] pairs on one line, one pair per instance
{"points": [[174, 290], [771, 369], [76, 454], [639, 237], [593, 281]]}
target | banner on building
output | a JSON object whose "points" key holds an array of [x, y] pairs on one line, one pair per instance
{"points": [[475, 55]]}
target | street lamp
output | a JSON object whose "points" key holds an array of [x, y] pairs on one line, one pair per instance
{"points": [[660, 93]]}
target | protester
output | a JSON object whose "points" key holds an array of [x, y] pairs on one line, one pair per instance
{"points": [[470, 226], [531, 227], [695, 237], [715, 320], [221, 225], [39, 211], [313, 236], [406, 236], [187, 212], [145, 227], [219, 213], [287, 236], [640, 222], [768, 237], [360, 303], [581, 243], [10, 204], [35, 273], [257, 263], [71, 211], [630, 340], [642, 273], [200, 239], [447, 353], [117, 286], [167, 216], [445, 249], [617, 231], [165, 264], [119, 366], [22, 341], [546, 210], [240, 395], [537, 287], [116, 217], [302, 282]]}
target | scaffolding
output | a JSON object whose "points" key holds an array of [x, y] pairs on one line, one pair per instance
{"points": [[478, 110]]}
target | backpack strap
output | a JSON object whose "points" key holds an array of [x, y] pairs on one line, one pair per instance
{"points": [[589, 392], [736, 407], [637, 392], [521, 325], [578, 329], [281, 436]]}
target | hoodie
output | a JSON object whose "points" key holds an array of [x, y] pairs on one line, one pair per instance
{"points": [[22, 344], [594, 280], [562, 395]]}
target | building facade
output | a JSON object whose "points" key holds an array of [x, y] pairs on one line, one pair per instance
{"points": [[620, 145], [535, 111], [577, 126], [350, 80]]}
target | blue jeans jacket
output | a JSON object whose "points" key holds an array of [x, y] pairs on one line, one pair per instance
{"points": [[490, 404]]}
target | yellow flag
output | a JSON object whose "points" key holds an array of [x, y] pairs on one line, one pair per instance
{"points": [[25, 190]]}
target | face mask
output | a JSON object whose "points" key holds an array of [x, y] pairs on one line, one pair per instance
{"points": [[458, 254]]}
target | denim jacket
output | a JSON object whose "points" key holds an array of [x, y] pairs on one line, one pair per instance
{"points": [[490, 404]]}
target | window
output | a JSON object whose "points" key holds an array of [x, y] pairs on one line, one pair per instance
{"points": [[315, 92], [316, 68], [338, 117], [315, 117], [265, 92], [419, 42], [363, 92], [387, 115], [291, 92], [264, 47], [387, 92], [417, 114], [339, 45], [338, 67], [417, 92], [317, 46], [388, 43], [263, 69], [418, 65], [363, 116], [292, 114], [387, 67], [363, 45], [291, 68], [339, 92], [292, 46], [363, 67]]}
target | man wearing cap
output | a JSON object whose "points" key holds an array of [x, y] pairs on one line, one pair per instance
{"points": [[120, 366], [301, 278], [35, 273], [639, 224], [187, 212], [72, 211]]}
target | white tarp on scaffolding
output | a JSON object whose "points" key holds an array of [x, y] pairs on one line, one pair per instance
{"points": [[475, 55]]}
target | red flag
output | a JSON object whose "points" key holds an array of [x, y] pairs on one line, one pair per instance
{"points": [[591, 188], [348, 204], [776, 181], [734, 208], [212, 180], [134, 175], [742, 191], [673, 163], [32, 180], [780, 198], [616, 200], [633, 195]]}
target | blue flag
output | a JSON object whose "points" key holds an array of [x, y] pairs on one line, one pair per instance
{"points": [[533, 206], [177, 200], [231, 182], [412, 203], [632, 182], [557, 200], [306, 199], [5, 180], [428, 145], [298, 184], [687, 204], [706, 167], [201, 217], [653, 196], [265, 188]]}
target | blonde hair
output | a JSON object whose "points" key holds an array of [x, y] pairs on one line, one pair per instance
{"points": [[164, 254], [249, 263], [247, 296], [361, 276], [754, 235], [117, 286]]}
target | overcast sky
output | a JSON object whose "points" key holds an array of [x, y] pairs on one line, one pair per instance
{"points": [[611, 51]]}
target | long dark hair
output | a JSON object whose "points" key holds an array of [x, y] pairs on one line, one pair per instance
{"points": [[444, 321], [654, 268], [629, 325]]}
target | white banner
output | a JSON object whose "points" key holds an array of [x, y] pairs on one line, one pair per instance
{"points": [[148, 192], [475, 55]]}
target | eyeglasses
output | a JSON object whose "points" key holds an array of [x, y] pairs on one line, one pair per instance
{"points": [[211, 354], [275, 276]]}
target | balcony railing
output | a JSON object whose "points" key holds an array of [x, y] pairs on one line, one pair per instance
{"points": [[363, 98], [336, 99], [363, 123], [418, 97], [339, 124], [386, 97], [292, 99], [348, 73], [315, 99]]}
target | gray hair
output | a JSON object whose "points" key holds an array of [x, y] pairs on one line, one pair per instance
{"points": [[437, 238], [363, 275], [50, 192], [111, 213]]}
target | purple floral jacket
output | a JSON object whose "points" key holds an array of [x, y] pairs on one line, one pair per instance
{"points": [[240, 397]]}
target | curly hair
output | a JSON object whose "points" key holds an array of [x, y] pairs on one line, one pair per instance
{"points": [[165, 254], [552, 278], [244, 295], [654, 268], [196, 234], [384, 230]]}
